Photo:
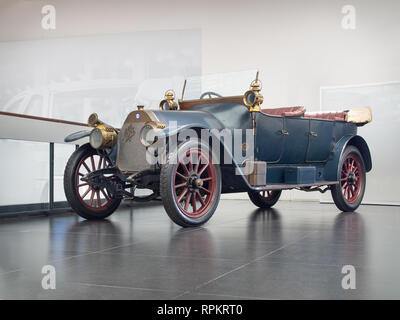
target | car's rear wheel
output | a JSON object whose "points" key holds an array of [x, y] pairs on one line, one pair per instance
{"points": [[87, 201], [349, 193], [190, 187], [266, 198]]}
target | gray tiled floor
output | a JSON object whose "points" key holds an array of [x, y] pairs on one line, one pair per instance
{"points": [[295, 251]]}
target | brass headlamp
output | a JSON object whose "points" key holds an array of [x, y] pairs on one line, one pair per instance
{"points": [[103, 136], [149, 133], [168, 103], [252, 98]]}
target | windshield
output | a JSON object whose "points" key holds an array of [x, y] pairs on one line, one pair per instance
{"points": [[223, 84]]}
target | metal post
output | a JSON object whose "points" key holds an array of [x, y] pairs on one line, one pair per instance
{"points": [[51, 177]]}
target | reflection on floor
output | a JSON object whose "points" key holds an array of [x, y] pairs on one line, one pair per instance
{"points": [[295, 251]]}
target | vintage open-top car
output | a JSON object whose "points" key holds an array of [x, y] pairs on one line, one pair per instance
{"points": [[192, 151]]}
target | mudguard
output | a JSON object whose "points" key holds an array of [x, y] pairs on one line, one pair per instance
{"points": [[77, 135], [178, 122], [332, 170]]}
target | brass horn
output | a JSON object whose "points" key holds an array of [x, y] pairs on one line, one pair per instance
{"points": [[94, 121]]}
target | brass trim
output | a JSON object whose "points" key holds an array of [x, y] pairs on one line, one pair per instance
{"points": [[284, 132], [169, 99], [255, 88], [94, 120], [257, 100], [108, 133], [161, 125], [109, 136]]}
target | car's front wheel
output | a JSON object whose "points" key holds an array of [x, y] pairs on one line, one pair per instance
{"points": [[349, 193], [88, 201], [190, 186]]}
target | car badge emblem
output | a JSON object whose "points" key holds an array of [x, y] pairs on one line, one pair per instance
{"points": [[137, 115], [129, 133]]}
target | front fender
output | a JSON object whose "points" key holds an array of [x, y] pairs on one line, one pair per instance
{"points": [[178, 121], [332, 170], [77, 135]]}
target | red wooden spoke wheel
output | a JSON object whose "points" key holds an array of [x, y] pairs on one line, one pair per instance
{"points": [[194, 182], [351, 178], [191, 186], [87, 198], [91, 196], [348, 193]]}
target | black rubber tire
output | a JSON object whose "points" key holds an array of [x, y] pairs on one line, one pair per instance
{"points": [[167, 191], [264, 202], [70, 191], [336, 190]]}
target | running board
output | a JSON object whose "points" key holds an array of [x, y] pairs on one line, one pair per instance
{"points": [[285, 186]]}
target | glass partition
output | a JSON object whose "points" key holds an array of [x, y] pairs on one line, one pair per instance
{"points": [[224, 84], [25, 174]]}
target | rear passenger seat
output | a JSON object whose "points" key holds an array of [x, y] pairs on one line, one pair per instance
{"points": [[336, 116]]}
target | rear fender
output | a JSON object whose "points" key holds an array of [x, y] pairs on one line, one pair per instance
{"points": [[332, 170]]}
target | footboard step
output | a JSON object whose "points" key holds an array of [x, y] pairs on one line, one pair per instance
{"points": [[285, 186]]}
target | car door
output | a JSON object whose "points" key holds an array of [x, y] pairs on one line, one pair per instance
{"points": [[321, 140], [296, 132], [269, 137]]}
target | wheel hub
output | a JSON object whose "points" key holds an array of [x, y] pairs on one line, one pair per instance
{"points": [[351, 179], [194, 182]]}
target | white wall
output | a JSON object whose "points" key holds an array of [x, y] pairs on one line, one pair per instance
{"points": [[298, 45]]}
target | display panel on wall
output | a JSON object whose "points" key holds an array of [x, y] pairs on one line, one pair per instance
{"points": [[69, 78], [382, 134]]}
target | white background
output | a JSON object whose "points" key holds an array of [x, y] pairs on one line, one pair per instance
{"points": [[298, 46]]}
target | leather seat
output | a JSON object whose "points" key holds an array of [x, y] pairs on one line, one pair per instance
{"points": [[335, 116], [285, 111]]}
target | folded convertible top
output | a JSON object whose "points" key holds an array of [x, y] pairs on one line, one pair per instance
{"points": [[360, 116]]}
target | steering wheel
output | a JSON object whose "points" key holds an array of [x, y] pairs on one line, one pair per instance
{"points": [[210, 94]]}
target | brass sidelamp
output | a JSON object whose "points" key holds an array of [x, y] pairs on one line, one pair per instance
{"points": [[168, 103], [252, 99]]}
